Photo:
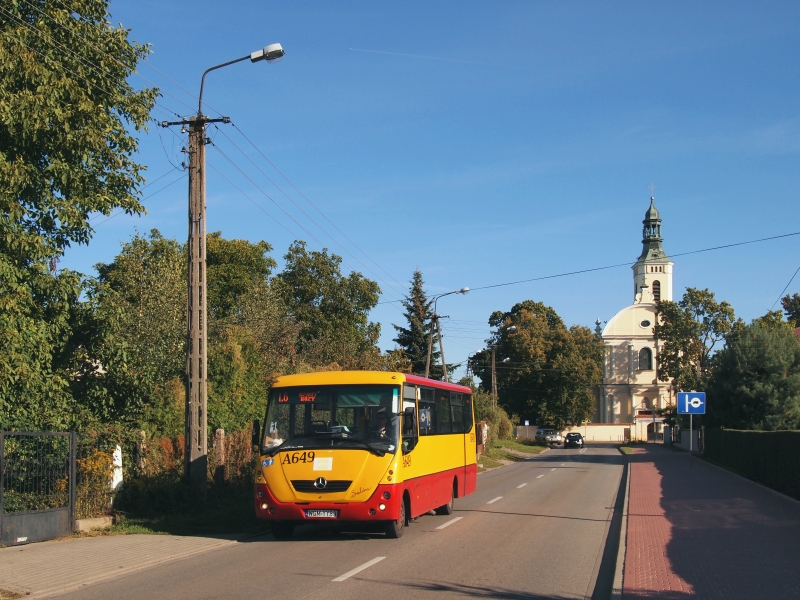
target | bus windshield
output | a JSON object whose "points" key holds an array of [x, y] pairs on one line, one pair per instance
{"points": [[333, 416]]}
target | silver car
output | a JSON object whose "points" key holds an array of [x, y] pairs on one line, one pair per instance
{"points": [[551, 437]]}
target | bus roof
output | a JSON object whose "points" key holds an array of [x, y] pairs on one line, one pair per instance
{"points": [[363, 377]]}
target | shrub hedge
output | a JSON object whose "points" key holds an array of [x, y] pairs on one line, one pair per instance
{"points": [[768, 457]]}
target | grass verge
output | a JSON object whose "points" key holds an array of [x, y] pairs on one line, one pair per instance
{"points": [[626, 449], [507, 450], [230, 514], [526, 446]]}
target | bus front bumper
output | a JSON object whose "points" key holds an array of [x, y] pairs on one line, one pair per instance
{"points": [[377, 508]]}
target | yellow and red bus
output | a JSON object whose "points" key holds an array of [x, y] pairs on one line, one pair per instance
{"points": [[363, 446]]}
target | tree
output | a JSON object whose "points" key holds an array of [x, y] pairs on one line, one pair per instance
{"points": [[413, 340], [67, 115], [333, 309], [791, 306], [774, 320], [544, 369], [755, 381], [686, 333], [141, 306], [235, 267]]}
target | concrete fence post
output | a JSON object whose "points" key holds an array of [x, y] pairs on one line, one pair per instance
{"points": [[219, 455], [141, 454]]}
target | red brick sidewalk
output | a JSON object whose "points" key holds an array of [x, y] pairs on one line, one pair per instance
{"points": [[695, 531]]}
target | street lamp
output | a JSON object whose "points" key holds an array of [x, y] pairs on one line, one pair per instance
{"points": [[435, 323], [196, 442]]}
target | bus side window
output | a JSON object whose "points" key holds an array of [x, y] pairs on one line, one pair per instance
{"points": [[467, 413], [409, 429], [443, 412], [457, 410], [427, 412]]}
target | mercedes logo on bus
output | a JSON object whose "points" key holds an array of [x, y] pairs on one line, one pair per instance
{"points": [[320, 483]]}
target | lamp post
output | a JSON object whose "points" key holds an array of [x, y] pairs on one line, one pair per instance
{"points": [[435, 323], [196, 443]]}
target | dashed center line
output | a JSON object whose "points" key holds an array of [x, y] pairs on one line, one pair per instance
{"points": [[538, 476], [366, 565], [553, 469], [450, 522], [562, 464], [495, 500], [522, 485]]}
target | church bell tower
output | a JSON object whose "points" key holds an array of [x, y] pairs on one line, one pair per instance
{"points": [[652, 273]]}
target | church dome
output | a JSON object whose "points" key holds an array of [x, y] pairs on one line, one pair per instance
{"points": [[652, 212]]}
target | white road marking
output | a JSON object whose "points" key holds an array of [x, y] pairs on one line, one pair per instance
{"points": [[562, 464], [495, 500], [538, 476], [522, 485], [450, 522], [366, 565], [583, 450], [553, 469]]}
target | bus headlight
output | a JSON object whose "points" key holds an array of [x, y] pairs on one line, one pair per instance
{"points": [[387, 495], [382, 506], [260, 494], [264, 506]]}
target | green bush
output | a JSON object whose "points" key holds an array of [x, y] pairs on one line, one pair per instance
{"points": [[768, 457]]}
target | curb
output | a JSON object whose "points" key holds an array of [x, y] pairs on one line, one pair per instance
{"points": [[619, 571]]}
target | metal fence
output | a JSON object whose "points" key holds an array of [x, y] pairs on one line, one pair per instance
{"points": [[37, 486], [94, 495]]}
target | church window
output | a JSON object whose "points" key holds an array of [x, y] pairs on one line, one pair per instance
{"points": [[657, 291], [645, 323], [645, 359]]}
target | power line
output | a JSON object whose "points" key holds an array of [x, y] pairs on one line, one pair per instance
{"points": [[62, 68], [86, 62], [784, 289], [271, 199], [257, 149], [96, 47], [626, 264], [143, 199], [388, 285]]}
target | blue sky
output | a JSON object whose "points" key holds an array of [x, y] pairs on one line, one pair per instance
{"points": [[487, 142]]}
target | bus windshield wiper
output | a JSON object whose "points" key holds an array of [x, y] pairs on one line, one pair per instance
{"points": [[374, 449]]}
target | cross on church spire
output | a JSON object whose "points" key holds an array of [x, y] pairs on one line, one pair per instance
{"points": [[652, 188]]}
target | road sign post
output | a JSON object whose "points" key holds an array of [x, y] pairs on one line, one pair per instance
{"points": [[691, 403]]}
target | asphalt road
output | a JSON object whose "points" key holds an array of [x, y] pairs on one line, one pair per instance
{"points": [[534, 529]]}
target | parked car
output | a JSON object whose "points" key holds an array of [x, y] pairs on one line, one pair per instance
{"points": [[548, 436], [573, 439]]}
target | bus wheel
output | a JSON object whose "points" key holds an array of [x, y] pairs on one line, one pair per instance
{"points": [[282, 530], [446, 509], [394, 529]]}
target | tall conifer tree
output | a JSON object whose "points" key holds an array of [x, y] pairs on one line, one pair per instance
{"points": [[413, 340]]}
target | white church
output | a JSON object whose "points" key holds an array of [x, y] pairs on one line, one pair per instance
{"points": [[630, 391]]}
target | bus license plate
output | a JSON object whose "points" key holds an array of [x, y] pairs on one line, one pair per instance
{"points": [[322, 514]]}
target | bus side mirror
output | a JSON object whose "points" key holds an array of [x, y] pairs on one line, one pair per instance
{"points": [[256, 439]]}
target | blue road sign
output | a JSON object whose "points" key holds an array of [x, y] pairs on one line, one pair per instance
{"points": [[691, 403]]}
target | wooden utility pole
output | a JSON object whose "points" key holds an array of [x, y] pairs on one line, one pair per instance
{"points": [[494, 379], [196, 443], [195, 456]]}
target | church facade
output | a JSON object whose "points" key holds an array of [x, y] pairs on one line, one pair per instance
{"points": [[630, 391]]}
